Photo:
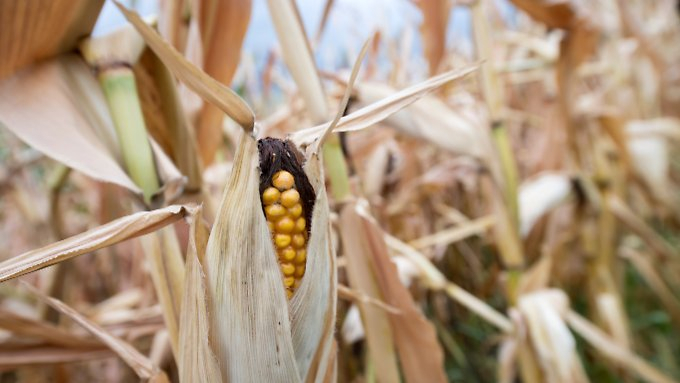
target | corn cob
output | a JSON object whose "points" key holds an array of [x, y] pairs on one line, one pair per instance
{"points": [[287, 200]]}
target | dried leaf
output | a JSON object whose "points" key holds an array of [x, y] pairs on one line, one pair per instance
{"points": [[205, 86], [298, 57], [167, 272], [455, 234], [380, 110], [539, 195], [196, 360], [554, 345], [554, 13], [412, 331], [61, 96], [142, 366], [361, 274], [433, 30], [613, 351], [31, 30], [34, 329], [223, 26], [105, 235], [50, 355]]}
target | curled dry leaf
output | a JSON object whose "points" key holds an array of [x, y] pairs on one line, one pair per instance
{"points": [[384, 108], [205, 86], [61, 96], [105, 235]]}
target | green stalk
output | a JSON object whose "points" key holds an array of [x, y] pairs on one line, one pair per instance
{"points": [[336, 166], [121, 94], [509, 169]]}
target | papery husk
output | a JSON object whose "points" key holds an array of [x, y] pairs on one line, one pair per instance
{"points": [[258, 335], [196, 360], [539, 196], [553, 343], [313, 307]]}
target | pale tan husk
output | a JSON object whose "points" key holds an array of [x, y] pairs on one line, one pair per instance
{"points": [[258, 335]]}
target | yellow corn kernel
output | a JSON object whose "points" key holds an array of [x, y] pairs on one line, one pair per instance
{"points": [[274, 211], [270, 196], [285, 225], [300, 225], [282, 240], [298, 241], [290, 198], [288, 269], [283, 180], [301, 256], [295, 211], [288, 254]]}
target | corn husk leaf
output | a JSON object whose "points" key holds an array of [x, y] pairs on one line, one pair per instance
{"points": [[313, 307], [380, 110], [223, 26], [102, 236], [62, 95], [250, 319], [142, 366], [197, 80], [32, 31], [553, 343], [196, 360], [167, 272], [259, 335], [412, 331]]}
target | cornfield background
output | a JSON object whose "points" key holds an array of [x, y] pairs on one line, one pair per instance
{"points": [[499, 204]]}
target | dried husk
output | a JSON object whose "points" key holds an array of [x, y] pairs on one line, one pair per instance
{"points": [[540, 195], [196, 361], [258, 334], [552, 341]]}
